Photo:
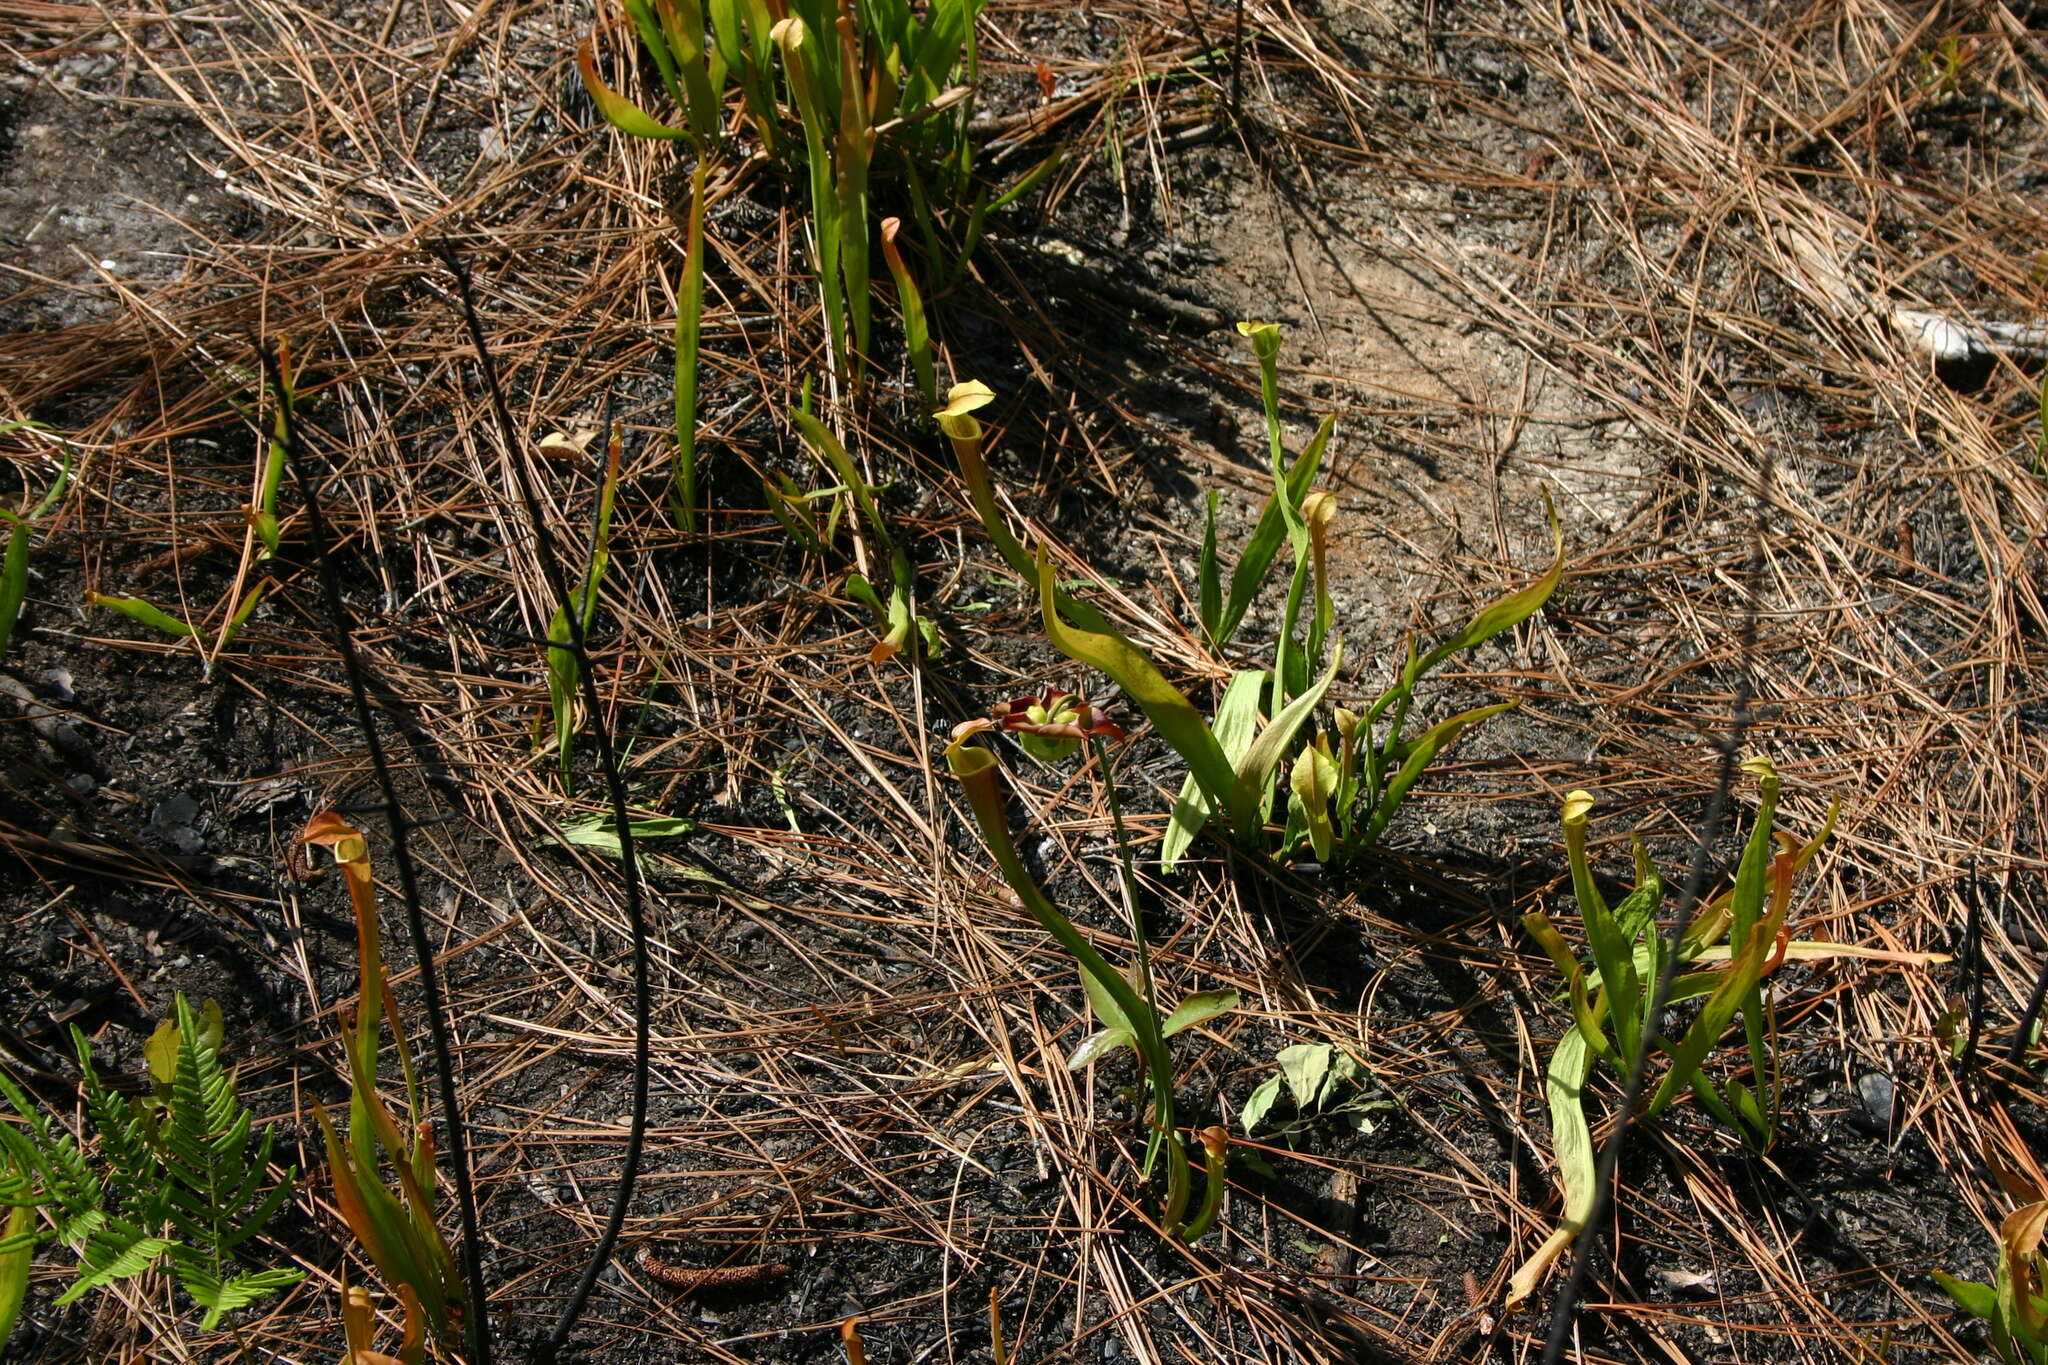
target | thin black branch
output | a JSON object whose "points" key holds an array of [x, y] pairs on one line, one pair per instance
{"points": [[478, 1325], [629, 862]]}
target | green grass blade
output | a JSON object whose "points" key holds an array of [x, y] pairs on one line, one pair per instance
{"points": [[1613, 951], [689, 331], [13, 579], [1746, 907], [1025, 183], [234, 623], [739, 32], [1421, 753], [827, 445], [1209, 589]]}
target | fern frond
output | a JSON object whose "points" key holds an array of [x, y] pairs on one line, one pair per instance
{"points": [[17, 1185], [220, 1297], [117, 1250], [265, 1208], [212, 1171], [198, 1171], [124, 1141], [51, 1159]]}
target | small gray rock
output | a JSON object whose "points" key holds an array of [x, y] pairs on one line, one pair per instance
{"points": [[1873, 1109]]}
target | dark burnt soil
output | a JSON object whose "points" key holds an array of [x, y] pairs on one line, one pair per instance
{"points": [[857, 1042]]}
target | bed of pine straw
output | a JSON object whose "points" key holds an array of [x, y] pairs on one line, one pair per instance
{"points": [[1661, 256]]}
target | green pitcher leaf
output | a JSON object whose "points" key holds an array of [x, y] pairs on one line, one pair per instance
{"points": [[1511, 610], [1169, 710], [1237, 725], [620, 112], [1252, 785]]}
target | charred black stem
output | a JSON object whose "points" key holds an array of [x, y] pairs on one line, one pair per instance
{"points": [[1561, 1313], [477, 1328], [629, 861], [1237, 66], [1973, 965]]}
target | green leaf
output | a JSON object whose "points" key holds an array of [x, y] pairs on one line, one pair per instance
{"points": [[860, 590], [1571, 1140], [1305, 1065], [143, 613], [1100, 1044], [117, 1251], [160, 1053], [1258, 1103], [598, 832], [1104, 1002], [917, 339], [1509, 611], [1978, 1300], [1732, 985], [221, 1297], [1253, 783], [1198, 1008], [901, 615], [702, 73], [1314, 783], [1026, 183]]}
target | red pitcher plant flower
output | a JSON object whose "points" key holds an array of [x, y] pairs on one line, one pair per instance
{"points": [[1052, 726]]}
